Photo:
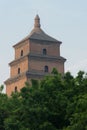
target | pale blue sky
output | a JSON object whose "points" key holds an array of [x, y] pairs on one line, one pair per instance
{"points": [[65, 20]]}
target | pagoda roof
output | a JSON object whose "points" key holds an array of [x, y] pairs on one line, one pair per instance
{"points": [[38, 34]]}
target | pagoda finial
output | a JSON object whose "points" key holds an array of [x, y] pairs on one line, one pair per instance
{"points": [[37, 22]]}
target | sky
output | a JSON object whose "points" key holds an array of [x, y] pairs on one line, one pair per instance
{"points": [[65, 20]]}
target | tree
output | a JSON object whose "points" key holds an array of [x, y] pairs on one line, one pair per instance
{"points": [[77, 108], [3, 110], [55, 103], [1, 88]]}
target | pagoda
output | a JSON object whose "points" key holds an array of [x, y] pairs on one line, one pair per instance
{"points": [[35, 56]]}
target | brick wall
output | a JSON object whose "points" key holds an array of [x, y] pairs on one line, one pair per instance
{"points": [[23, 46], [39, 65], [23, 65], [52, 49], [19, 84]]}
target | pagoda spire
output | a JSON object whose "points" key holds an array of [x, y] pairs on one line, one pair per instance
{"points": [[37, 22]]}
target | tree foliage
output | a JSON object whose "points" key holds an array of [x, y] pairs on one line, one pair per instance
{"points": [[56, 103]]}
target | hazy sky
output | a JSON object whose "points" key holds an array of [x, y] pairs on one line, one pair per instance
{"points": [[65, 20]]}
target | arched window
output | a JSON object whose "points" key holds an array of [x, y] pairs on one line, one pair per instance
{"points": [[18, 70], [21, 52], [46, 68], [15, 89], [44, 51]]}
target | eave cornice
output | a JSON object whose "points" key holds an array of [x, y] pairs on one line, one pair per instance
{"points": [[46, 57], [18, 60], [15, 78]]}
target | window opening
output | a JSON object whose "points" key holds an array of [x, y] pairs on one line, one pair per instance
{"points": [[46, 68], [18, 70], [15, 90], [44, 51], [21, 52]]}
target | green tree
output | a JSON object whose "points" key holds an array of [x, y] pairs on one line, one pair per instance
{"points": [[3, 110], [1, 88], [55, 103]]}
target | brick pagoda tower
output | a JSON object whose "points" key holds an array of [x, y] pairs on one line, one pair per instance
{"points": [[35, 56]]}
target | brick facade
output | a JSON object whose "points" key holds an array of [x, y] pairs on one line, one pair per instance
{"points": [[24, 46], [35, 56], [19, 83]]}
